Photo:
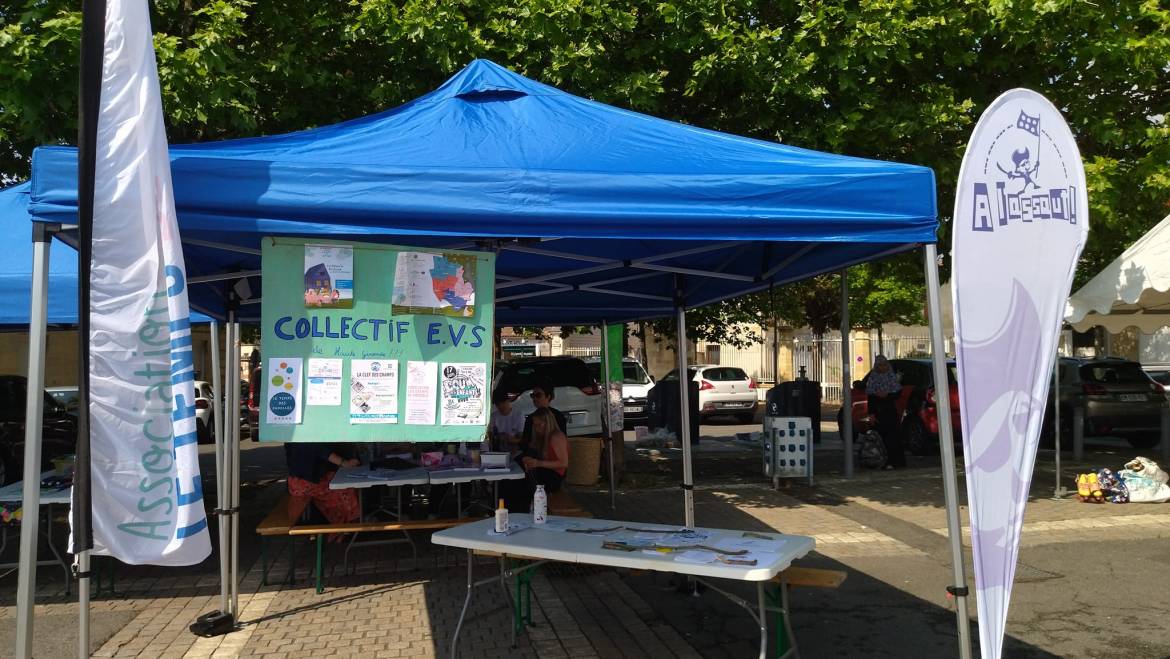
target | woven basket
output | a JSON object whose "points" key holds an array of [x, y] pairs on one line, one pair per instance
{"points": [[584, 461]]}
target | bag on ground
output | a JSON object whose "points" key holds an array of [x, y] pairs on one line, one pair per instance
{"points": [[1144, 490], [1147, 468]]}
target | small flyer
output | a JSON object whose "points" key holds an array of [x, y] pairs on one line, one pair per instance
{"points": [[323, 382], [464, 391], [373, 391], [328, 277], [421, 392], [284, 391]]}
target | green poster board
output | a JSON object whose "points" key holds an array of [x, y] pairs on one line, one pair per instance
{"points": [[358, 329]]}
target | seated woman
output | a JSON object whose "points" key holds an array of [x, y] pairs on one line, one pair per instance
{"points": [[507, 424], [545, 459], [311, 467]]}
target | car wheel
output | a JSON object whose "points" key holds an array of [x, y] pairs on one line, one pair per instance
{"points": [[915, 439], [1142, 442], [202, 432]]}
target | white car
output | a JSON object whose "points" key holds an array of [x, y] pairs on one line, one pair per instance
{"points": [[636, 386], [723, 390], [203, 418], [577, 394]]}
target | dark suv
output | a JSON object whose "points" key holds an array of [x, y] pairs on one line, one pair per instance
{"points": [[1118, 398], [58, 434]]}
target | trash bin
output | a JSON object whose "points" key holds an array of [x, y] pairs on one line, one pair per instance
{"points": [[664, 409], [800, 398], [788, 451]]}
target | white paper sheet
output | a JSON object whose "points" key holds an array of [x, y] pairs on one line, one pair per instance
{"points": [[373, 391], [464, 394], [695, 556], [323, 381], [283, 401], [421, 392]]}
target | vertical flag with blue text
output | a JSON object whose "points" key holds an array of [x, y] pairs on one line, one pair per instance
{"points": [[147, 503], [1021, 219]]}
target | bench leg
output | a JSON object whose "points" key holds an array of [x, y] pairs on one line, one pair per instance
{"points": [[785, 638], [292, 560], [263, 561], [320, 562]]}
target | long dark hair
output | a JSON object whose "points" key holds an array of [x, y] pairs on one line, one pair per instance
{"points": [[540, 440]]}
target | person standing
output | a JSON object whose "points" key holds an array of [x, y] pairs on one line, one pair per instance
{"points": [[543, 393], [882, 390]]}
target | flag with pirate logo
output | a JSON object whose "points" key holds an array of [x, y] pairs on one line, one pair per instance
{"points": [[1020, 222]]}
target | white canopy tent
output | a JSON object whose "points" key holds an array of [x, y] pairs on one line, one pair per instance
{"points": [[1132, 291]]}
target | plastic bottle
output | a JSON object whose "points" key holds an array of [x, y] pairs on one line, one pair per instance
{"points": [[539, 506], [501, 518]]}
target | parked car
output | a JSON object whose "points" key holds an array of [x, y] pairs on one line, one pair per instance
{"points": [[58, 428], [1118, 398], [204, 412], [722, 390], [636, 384], [1159, 374], [577, 393], [66, 397], [252, 399], [915, 405]]}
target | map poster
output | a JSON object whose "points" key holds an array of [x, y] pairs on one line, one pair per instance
{"points": [[464, 395], [323, 381], [283, 402], [421, 392], [373, 391], [434, 284], [328, 277]]}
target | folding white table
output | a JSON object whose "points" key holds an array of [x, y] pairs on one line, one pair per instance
{"points": [[543, 545], [362, 477], [467, 475], [14, 493]]}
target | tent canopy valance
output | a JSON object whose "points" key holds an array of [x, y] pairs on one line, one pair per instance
{"points": [[1132, 291], [596, 212]]}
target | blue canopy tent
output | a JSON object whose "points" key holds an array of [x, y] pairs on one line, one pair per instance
{"points": [[594, 209], [16, 262], [596, 213]]}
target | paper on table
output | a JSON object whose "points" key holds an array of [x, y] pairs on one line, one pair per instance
{"points": [[514, 527], [421, 392], [695, 556], [751, 544]]}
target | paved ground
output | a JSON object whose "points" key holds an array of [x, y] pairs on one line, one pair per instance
{"points": [[1091, 577]]}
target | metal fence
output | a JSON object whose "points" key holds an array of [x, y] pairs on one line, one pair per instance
{"points": [[583, 352], [755, 360], [821, 361]]}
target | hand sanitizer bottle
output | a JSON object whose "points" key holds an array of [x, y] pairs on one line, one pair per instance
{"points": [[539, 506], [501, 518]]}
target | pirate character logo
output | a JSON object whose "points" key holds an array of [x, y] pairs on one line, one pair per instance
{"points": [[1015, 189]]}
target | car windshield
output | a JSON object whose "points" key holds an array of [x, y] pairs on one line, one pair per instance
{"points": [[1116, 373], [632, 372]]}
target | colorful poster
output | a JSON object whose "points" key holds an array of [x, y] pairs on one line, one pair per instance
{"points": [[434, 284], [373, 391], [421, 392], [1020, 221], [464, 395], [284, 391], [329, 276], [323, 382]]}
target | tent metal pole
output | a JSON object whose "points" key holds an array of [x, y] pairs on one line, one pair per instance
{"points": [[607, 424], [947, 449], [1058, 490], [82, 568], [684, 432], [34, 415], [218, 428], [846, 383], [233, 387]]}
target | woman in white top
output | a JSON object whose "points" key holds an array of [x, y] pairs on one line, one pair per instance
{"points": [[507, 422]]}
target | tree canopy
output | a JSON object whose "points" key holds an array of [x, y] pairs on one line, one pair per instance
{"points": [[889, 79]]}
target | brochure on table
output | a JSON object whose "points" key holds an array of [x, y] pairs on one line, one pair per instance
{"points": [[375, 343]]}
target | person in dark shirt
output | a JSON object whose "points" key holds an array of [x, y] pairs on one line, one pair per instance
{"points": [[542, 394], [311, 466]]}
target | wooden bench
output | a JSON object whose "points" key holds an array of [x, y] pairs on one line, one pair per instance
{"points": [[800, 577], [285, 514], [562, 503], [322, 530]]}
